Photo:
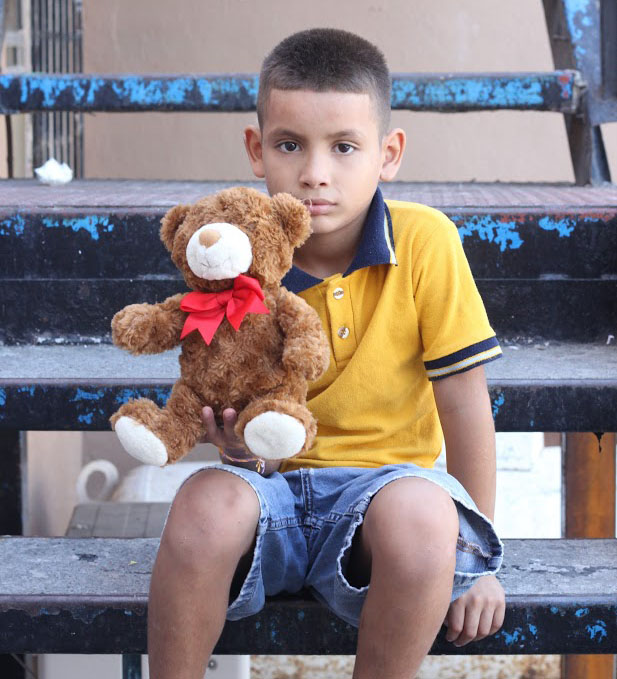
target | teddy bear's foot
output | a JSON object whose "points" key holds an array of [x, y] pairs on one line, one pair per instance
{"points": [[140, 442], [274, 436]]}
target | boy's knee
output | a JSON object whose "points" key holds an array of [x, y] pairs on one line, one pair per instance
{"points": [[214, 515], [414, 522]]}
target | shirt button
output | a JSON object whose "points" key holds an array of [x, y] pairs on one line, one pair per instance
{"points": [[343, 332], [338, 293]]}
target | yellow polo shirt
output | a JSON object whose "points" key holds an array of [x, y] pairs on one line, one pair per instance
{"points": [[406, 312]]}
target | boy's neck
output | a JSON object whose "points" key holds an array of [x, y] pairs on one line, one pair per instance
{"points": [[326, 254]]}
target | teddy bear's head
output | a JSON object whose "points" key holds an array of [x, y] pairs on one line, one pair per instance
{"points": [[236, 231]]}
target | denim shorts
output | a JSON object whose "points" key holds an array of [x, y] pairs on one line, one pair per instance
{"points": [[307, 523]]}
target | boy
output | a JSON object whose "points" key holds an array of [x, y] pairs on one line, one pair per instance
{"points": [[408, 337]]}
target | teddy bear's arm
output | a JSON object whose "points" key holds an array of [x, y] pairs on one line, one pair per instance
{"points": [[306, 345], [149, 328]]}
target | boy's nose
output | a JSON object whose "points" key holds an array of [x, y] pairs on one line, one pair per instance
{"points": [[314, 172]]}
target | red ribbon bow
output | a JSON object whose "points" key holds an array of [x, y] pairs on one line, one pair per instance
{"points": [[207, 309]]}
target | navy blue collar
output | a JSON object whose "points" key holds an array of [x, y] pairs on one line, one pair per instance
{"points": [[376, 247]]}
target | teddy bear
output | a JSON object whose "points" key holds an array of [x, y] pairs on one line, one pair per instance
{"points": [[247, 342]]}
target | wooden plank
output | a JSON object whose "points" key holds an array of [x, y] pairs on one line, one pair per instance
{"points": [[589, 491], [589, 485]]}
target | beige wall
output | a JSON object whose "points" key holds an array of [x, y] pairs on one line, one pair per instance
{"points": [[192, 36]]}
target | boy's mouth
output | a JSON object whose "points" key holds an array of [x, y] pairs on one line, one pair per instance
{"points": [[318, 206]]}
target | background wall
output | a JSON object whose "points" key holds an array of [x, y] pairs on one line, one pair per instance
{"points": [[190, 36]]}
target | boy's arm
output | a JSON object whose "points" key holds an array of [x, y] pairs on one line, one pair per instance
{"points": [[464, 409]]}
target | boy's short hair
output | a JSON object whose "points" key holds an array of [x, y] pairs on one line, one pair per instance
{"points": [[327, 59]]}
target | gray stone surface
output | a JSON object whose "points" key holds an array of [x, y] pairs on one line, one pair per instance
{"points": [[120, 568], [94, 193], [542, 364]]}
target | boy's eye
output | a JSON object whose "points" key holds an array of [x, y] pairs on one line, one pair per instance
{"points": [[345, 149], [288, 146]]}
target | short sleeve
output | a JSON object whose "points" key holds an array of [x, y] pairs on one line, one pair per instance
{"points": [[454, 328]]}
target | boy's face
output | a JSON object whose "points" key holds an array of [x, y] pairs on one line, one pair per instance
{"points": [[325, 149]]}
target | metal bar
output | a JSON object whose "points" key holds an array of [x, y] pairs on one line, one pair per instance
{"points": [[608, 30], [87, 404], [557, 91], [589, 492], [575, 44], [587, 151], [11, 447], [131, 666]]}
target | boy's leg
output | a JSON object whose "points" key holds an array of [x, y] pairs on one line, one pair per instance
{"points": [[406, 548], [209, 536]]}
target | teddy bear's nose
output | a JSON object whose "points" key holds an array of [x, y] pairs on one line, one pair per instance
{"points": [[209, 237]]}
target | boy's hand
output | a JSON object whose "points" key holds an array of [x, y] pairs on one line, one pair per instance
{"points": [[223, 437], [477, 613]]}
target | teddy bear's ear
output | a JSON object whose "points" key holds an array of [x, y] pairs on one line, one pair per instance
{"points": [[294, 216], [170, 223]]}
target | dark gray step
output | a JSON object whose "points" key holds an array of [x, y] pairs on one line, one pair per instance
{"points": [[76, 595], [35, 311], [92, 229], [444, 92], [559, 387]]}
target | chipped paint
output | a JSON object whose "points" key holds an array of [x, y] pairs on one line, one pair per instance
{"points": [[83, 395], [2, 397], [564, 226], [501, 232], [13, 226], [566, 83], [510, 639], [482, 91], [85, 419], [533, 629], [497, 403], [578, 18], [125, 395], [598, 630], [93, 224], [581, 612]]}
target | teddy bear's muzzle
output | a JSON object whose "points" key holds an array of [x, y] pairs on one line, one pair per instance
{"points": [[218, 251]]}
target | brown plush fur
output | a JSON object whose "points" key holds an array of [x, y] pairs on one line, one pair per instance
{"points": [[262, 367]]}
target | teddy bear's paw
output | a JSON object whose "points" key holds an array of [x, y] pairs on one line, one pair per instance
{"points": [[140, 442], [274, 436]]}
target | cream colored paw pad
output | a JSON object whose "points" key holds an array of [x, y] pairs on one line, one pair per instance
{"points": [[140, 442], [274, 436]]}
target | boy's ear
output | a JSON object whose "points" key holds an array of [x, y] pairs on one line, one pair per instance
{"points": [[294, 216], [170, 223], [254, 149], [393, 147]]}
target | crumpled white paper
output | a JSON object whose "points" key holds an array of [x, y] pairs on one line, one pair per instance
{"points": [[54, 173]]}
